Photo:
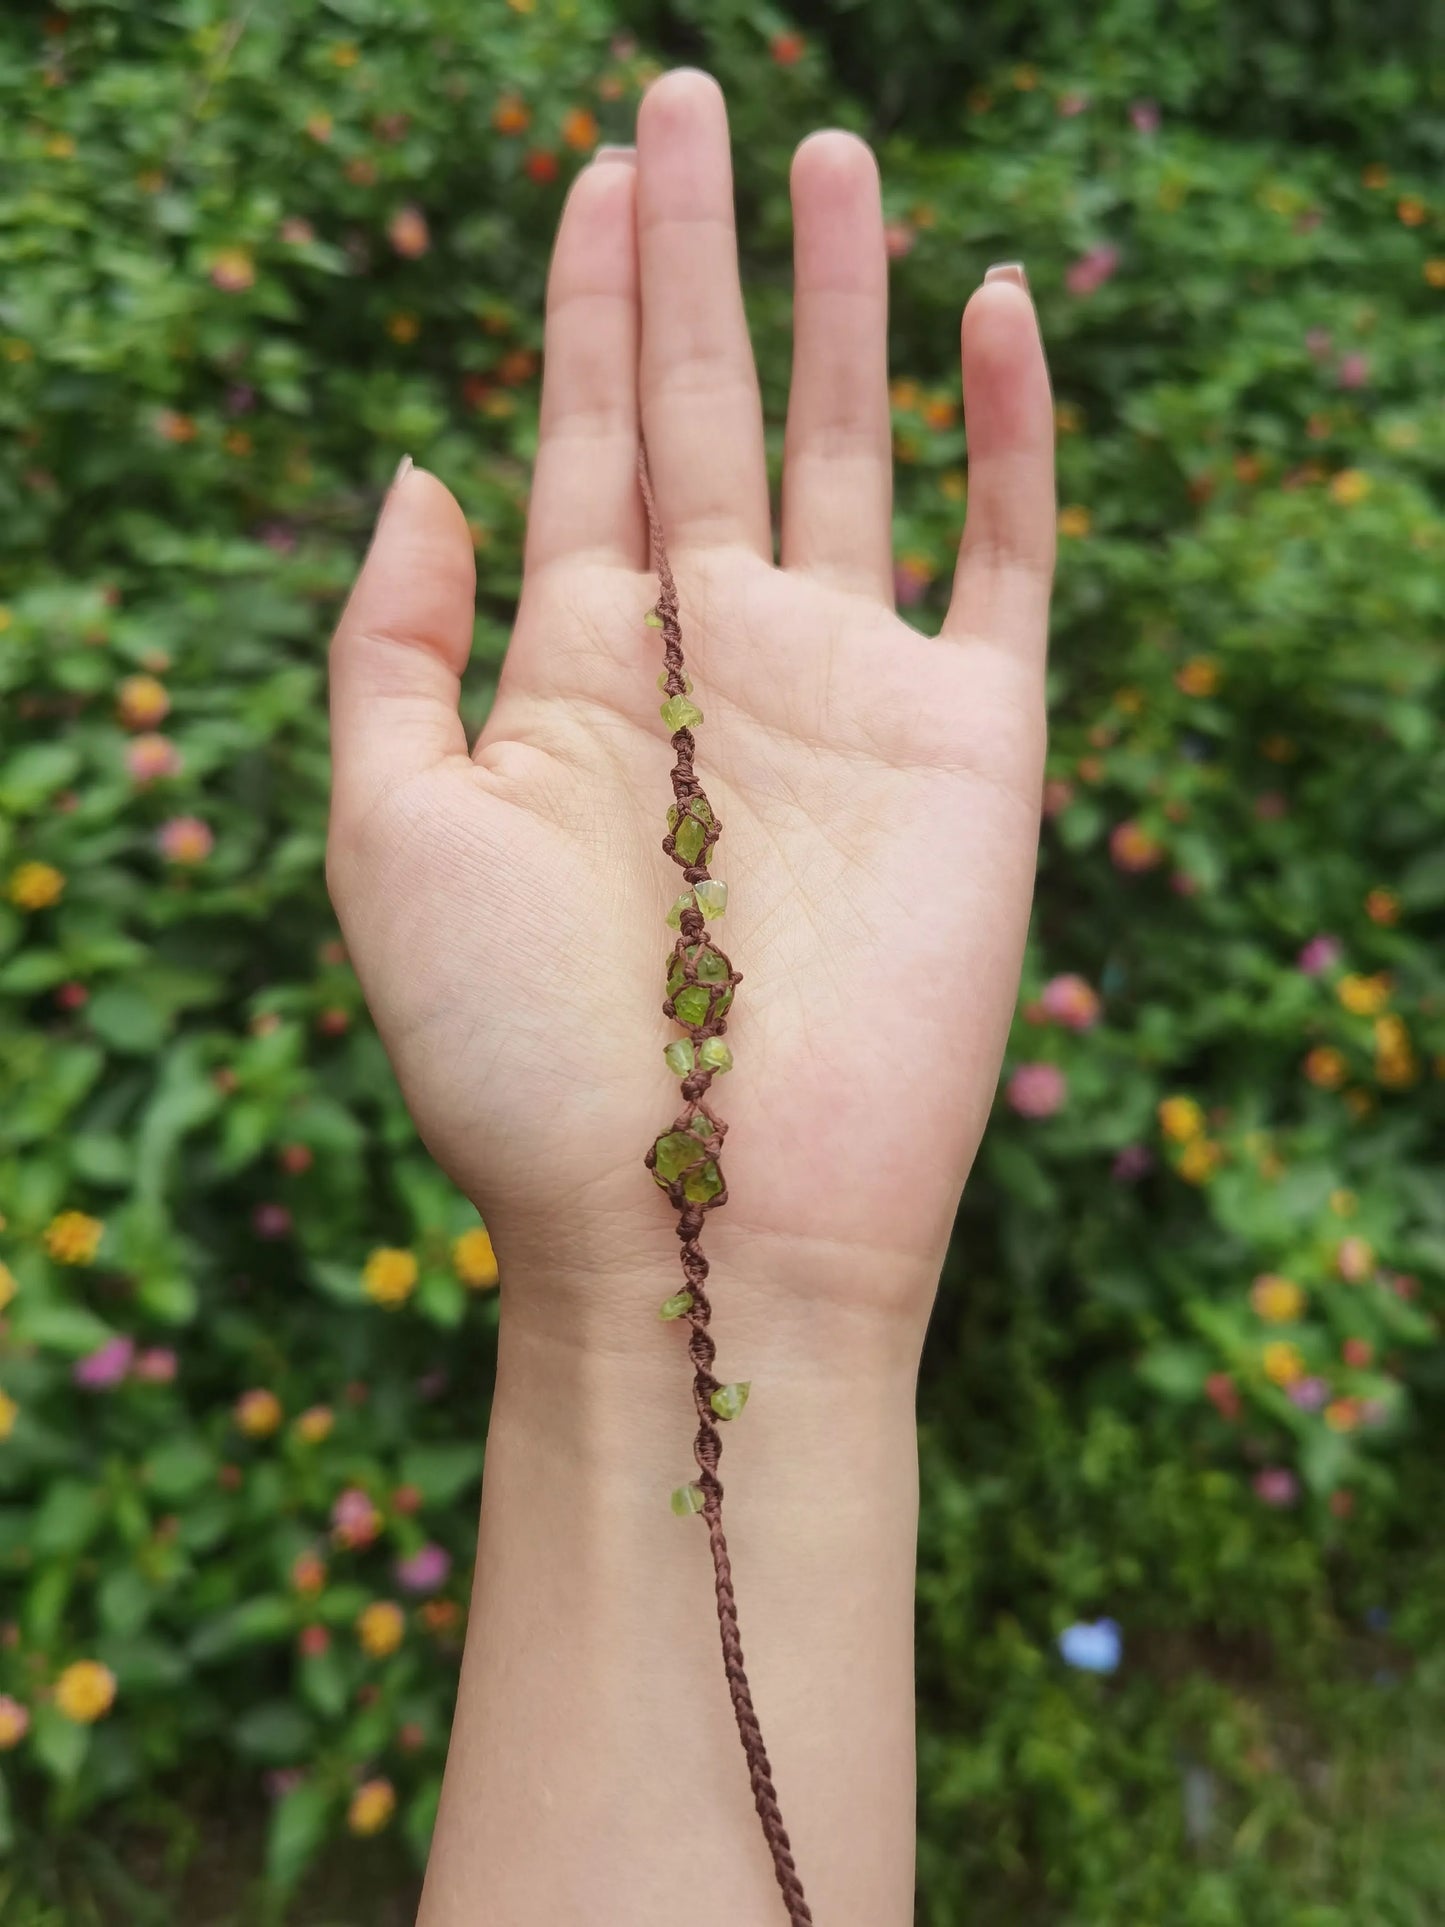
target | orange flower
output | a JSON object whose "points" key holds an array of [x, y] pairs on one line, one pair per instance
{"points": [[579, 130], [511, 115], [1382, 906], [1283, 1364], [1411, 210], [1343, 1415], [258, 1413], [1376, 175], [403, 328], [1198, 677], [1351, 485], [308, 1573], [541, 166], [1434, 272], [315, 1424], [787, 49], [1326, 1067], [142, 702]]}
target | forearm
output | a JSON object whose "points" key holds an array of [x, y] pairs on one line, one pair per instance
{"points": [[595, 1773]]}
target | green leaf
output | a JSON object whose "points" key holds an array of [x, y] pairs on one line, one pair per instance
{"points": [[123, 1600], [174, 1300], [36, 772], [59, 1744], [442, 1298], [68, 1517], [126, 1018], [255, 1623], [299, 1825], [179, 1469], [68, 1329], [277, 1733], [442, 1473]]}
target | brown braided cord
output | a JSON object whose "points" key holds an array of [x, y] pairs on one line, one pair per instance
{"points": [[693, 946]]}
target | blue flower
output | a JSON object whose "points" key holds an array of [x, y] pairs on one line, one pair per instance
{"points": [[1093, 1646]]}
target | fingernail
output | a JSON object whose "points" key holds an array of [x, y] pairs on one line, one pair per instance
{"points": [[1008, 271], [628, 155], [403, 469]]}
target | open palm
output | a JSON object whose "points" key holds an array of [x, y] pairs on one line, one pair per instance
{"points": [[878, 789]]}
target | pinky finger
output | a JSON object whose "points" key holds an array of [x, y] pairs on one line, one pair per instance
{"points": [[1006, 561]]}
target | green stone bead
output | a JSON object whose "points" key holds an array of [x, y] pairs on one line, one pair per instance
{"points": [[692, 1004], [711, 966], [701, 1126], [712, 897], [703, 1183], [686, 1500], [653, 619], [714, 1055], [673, 1154], [675, 1306], [681, 1057], [685, 902], [690, 827], [679, 713], [728, 1400], [686, 683]]}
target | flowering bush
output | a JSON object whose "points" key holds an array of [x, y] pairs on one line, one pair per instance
{"points": [[1178, 1466]]}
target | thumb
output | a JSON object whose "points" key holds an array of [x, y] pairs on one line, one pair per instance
{"points": [[401, 645]]}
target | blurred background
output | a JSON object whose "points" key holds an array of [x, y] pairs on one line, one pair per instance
{"points": [[1182, 1591]]}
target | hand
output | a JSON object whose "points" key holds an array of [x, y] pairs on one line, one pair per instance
{"points": [[879, 789]]}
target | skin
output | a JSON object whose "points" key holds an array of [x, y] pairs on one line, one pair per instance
{"points": [[879, 792]]}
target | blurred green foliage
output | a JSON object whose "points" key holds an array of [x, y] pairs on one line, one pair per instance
{"points": [[248, 255]]}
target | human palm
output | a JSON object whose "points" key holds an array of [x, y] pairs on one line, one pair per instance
{"points": [[878, 789]]}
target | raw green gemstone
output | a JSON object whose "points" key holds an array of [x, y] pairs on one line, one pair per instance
{"points": [[686, 683], [673, 1154], [712, 897], [692, 1004], [680, 1056], [728, 1400], [702, 1184], [674, 915], [701, 1126], [653, 619], [714, 1055], [711, 966], [690, 827], [678, 713], [675, 1306], [687, 1499]]}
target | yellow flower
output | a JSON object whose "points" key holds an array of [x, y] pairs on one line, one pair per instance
{"points": [[1278, 1301], [1326, 1067], [1199, 1160], [474, 1259], [1351, 485], [315, 1424], [1435, 273], [143, 702], [1068, 419], [403, 327], [1282, 1362], [373, 1803], [1364, 996], [380, 1628], [35, 886], [85, 1692], [8, 1286], [60, 147], [9, 1412], [258, 1413], [1130, 702], [389, 1276], [1181, 1119], [73, 1238], [1198, 677], [345, 54], [1075, 520]]}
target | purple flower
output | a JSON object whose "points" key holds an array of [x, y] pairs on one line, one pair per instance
{"points": [[279, 536], [1092, 1646], [1145, 116], [1276, 1485], [1036, 1090], [1319, 954], [1309, 1394], [1354, 370], [1135, 1161], [425, 1570], [271, 1221], [240, 398], [104, 1368]]}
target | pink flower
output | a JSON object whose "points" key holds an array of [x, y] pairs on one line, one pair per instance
{"points": [[1057, 796], [282, 1780], [898, 239], [185, 840], [1309, 1394], [1072, 103], [1037, 1090], [1145, 116], [296, 232], [354, 1518], [1072, 1002], [148, 758], [1354, 370], [425, 1570], [1318, 343], [1319, 954], [233, 270], [910, 583], [271, 1221], [278, 536], [1092, 270], [1276, 1485], [1135, 1161], [157, 1366], [102, 1369], [408, 233]]}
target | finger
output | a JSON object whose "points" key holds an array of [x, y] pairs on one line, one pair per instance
{"points": [[838, 466], [584, 488], [401, 645], [701, 414], [1006, 562]]}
